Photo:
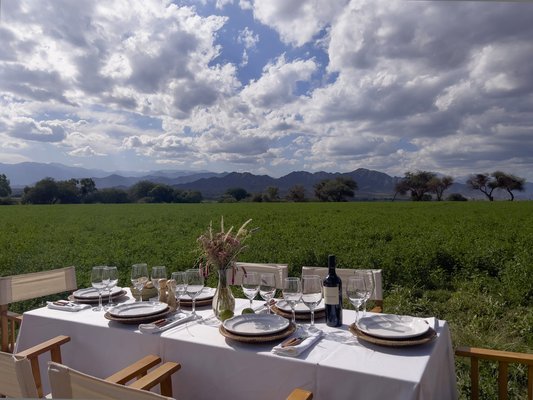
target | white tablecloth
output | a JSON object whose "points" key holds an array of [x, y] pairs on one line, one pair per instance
{"points": [[337, 367]]}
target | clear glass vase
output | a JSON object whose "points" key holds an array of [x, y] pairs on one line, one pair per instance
{"points": [[223, 300]]}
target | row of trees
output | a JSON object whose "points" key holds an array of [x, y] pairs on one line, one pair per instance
{"points": [[421, 184], [74, 191]]}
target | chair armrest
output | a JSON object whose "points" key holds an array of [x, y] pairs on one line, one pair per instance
{"points": [[50, 345], [300, 394], [161, 375], [14, 317], [135, 370], [495, 355]]}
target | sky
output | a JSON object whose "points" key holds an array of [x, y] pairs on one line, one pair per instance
{"points": [[268, 87]]}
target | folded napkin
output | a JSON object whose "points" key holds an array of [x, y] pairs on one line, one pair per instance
{"points": [[164, 324], [67, 305], [293, 351]]}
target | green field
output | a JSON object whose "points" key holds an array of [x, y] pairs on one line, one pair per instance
{"points": [[468, 263]]}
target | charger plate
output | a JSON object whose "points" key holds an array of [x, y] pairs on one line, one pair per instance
{"points": [[427, 337], [92, 293], [140, 320], [300, 316], [258, 339], [105, 298], [199, 303]]}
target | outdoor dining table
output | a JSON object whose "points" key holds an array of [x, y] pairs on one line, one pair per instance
{"points": [[339, 366]]}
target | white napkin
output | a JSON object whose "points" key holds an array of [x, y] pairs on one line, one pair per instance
{"points": [[169, 323], [295, 351], [67, 306]]}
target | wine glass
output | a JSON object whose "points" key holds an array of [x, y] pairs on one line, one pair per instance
{"points": [[181, 285], [356, 291], [98, 281], [311, 294], [112, 280], [195, 284], [250, 285], [292, 293], [267, 287], [139, 277], [158, 272], [368, 277]]}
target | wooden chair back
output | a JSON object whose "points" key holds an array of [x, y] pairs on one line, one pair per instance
{"points": [[503, 358], [67, 383], [22, 287], [281, 271], [345, 273]]}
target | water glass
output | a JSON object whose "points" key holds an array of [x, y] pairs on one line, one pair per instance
{"points": [[267, 287], [311, 294], [250, 285], [181, 286], [357, 292], [158, 272], [112, 281], [368, 277], [292, 294], [195, 285], [99, 282], [139, 277]]}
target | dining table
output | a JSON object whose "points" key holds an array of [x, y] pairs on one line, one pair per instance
{"points": [[337, 366]]}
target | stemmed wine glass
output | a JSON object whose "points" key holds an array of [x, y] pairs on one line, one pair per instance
{"points": [[250, 285], [356, 291], [139, 277], [292, 293], [368, 277], [112, 280], [195, 284], [158, 272], [311, 294], [98, 281], [181, 285], [267, 287]]}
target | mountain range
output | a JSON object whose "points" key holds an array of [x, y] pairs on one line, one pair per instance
{"points": [[371, 184]]}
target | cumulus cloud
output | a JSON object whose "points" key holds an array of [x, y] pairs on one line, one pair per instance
{"points": [[384, 84]]}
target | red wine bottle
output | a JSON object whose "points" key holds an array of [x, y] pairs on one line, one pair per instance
{"points": [[333, 295]]}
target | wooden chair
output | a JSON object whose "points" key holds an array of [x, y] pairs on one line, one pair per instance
{"points": [[281, 271], [22, 287], [67, 383], [344, 274], [19, 373], [504, 358]]}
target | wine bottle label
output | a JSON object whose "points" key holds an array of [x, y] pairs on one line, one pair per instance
{"points": [[331, 295]]}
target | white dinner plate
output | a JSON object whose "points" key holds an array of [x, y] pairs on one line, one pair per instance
{"points": [[300, 307], [389, 326], [92, 293], [137, 309], [256, 324], [206, 293]]}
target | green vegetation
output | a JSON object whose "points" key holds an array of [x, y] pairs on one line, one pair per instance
{"points": [[470, 263]]}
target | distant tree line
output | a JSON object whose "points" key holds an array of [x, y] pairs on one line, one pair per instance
{"points": [[74, 191], [421, 184]]}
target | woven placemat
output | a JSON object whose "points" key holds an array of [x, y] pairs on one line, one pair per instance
{"points": [[199, 303], [105, 298], [140, 320], [300, 316], [258, 339], [414, 341]]}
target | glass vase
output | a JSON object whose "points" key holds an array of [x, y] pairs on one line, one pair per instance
{"points": [[223, 300]]}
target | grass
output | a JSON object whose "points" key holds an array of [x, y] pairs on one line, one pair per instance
{"points": [[468, 263]]}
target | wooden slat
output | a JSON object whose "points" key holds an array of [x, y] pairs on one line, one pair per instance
{"points": [[4, 328], [474, 378], [300, 394], [530, 383], [495, 355], [136, 370], [161, 374], [503, 373]]}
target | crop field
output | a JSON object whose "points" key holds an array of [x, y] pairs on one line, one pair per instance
{"points": [[468, 263]]}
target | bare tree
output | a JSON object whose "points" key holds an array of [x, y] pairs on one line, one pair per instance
{"points": [[439, 185]]}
